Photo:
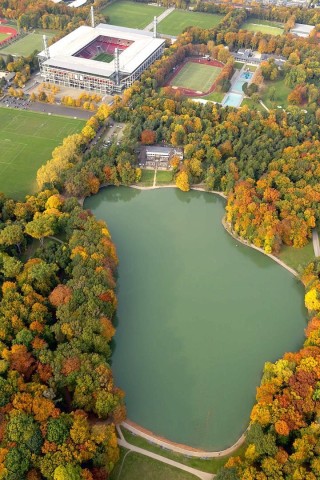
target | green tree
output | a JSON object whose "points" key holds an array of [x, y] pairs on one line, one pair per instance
{"points": [[40, 227], [12, 235]]}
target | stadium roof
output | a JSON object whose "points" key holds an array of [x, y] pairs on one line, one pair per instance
{"points": [[61, 52]]}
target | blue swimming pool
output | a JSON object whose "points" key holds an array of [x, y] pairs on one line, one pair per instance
{"points": [[232, 100], [237, 86], [246, 76]]}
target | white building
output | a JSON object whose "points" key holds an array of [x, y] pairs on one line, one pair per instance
{"points": [[105, 59], [302, 30]]}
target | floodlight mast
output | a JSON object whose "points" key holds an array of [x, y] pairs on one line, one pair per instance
{"points": [[92, 17], [155, 21], [117, 65], [46, 48]]}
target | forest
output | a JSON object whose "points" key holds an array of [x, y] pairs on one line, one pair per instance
{"points": [[58, 401]]}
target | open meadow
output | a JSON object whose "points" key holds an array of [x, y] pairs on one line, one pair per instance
{"points": [[26, 45], [196, 76], [26, 142], [263, 26], [281, 92], [178, 20], [131, 14], [133, 466]]}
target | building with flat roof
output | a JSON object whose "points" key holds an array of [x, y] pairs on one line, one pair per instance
{"points": [[105, 58], [157, 156], [302, 30]]}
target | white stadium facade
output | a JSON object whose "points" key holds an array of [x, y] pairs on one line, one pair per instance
{"points": [[105, 58]]}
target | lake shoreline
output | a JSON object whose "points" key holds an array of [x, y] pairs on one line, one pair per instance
{"points": [[151, 436], [181, 448]]}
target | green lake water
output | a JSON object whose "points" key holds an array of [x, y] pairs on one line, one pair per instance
{"points": [[199, 314]]}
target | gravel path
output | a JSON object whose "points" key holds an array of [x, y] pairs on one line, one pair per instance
{"points": [[161, 17], [315, 241], [179, 448], [198, 473]]}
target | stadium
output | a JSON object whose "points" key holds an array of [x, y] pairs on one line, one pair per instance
{"points": [[105, 58]]}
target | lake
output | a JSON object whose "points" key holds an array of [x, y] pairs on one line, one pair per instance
{"points": [[199, 314]]}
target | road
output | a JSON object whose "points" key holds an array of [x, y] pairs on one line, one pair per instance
{"points": [[60, 110], [315, 241], [198, 473], [47, 108]]}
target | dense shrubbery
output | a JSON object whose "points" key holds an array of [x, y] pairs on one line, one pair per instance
{"points": [[56, 307]]}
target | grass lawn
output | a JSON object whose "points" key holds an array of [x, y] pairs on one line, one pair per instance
{"points": [[281, 94], [252, 105], [178, 20], [104, 57], [196, 76], [263, 26], [27, 45], [133, 466], [212, 465], [147, 178], [238, 65], [164, 177], [26, 142], [297, 257], [214, 97], [131, 14]]}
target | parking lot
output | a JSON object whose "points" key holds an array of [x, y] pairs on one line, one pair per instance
{"points": [[13, 102], [50, 109], [113, 133]]}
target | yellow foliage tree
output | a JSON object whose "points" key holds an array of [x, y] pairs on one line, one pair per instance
{"points": [[182, 181], [311, 301]]}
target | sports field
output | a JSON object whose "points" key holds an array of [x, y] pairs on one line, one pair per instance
{"points": [[178, 20], [104, 57], [196, 76], [26, 142], [26, 45], [131, 14], [263, 26], [3, 36]]}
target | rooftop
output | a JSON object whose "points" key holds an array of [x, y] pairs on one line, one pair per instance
{"points": [[302, 30], [61, 52]]}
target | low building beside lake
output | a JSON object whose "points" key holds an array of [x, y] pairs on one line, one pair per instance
{"points": [[158, 156]]}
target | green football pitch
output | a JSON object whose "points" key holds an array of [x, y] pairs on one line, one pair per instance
{"points": [[196, 76], [26, 45], [177, 21], [3, 36], [26, 142], [131, 14], [104, 57], [263, 26]]}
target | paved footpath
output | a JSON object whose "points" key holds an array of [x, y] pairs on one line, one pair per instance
{"points": [[190, 452], [315, 241], [198, 473], [161, 17]]}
